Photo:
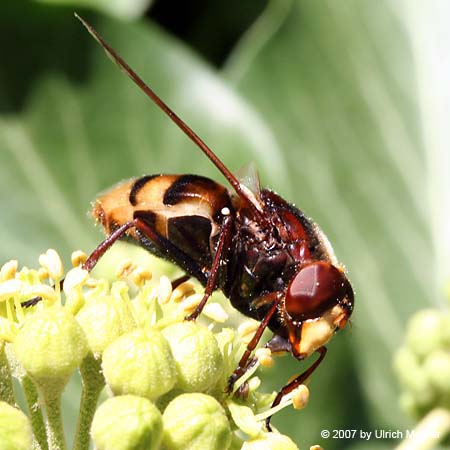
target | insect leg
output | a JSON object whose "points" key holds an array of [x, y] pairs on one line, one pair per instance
{"points": [[163, 247], [221, 251], [297, 381], [243, 365], [179, 280], [98, 252]]}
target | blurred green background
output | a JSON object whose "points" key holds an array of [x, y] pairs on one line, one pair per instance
{"points": [[326, 97]]}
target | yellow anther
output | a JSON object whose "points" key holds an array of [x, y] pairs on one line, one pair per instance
{"points": [[300, 397], [189, 304], [78, 258], [215, 312], [43, 274], [164, 290], [75, 279], [182, 291], [247, 330], [264, 356], [51, 261], [124, 268], [140, 275], [8, 270]]}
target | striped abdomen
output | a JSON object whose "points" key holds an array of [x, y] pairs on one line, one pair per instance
{"points": [[185, 210]]}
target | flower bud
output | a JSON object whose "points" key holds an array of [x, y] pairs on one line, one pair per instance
{"points": [[195, 422], [197, 355], [50, 345], [270, 441], [139, 363], [103, 320], [409, 405], [127, 422], [445, 330], [412, 376], [437, 369], [15, 429], [423, 334]]}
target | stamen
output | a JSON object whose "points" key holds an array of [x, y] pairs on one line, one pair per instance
{"points": [[51, 261], [8, 270], [78, 258], [247, 330], [264, 356], [215, 312], [182, 291], [164, 290]]}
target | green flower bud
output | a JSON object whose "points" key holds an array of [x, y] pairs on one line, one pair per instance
{"points": [[437, 369], [50, 345], [195, 422], [445, 330], [140, 363], [103, 320], [15, 429], [270, 441], [409, 405], [412, 376], [127, 422], [424, 332], [197, 355]]}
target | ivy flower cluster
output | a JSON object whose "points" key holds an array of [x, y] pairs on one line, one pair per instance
{"points": [[422, 366], [423, 363], [166, 378]]}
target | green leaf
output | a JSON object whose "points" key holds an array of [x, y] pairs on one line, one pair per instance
{"points": [[123, 9], [336, 82]]}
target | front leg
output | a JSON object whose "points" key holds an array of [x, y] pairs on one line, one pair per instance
{"points": [[297, 381], [244, 363]]}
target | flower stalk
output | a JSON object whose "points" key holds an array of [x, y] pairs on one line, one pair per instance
{"points": [[6, 385], [92, 384], [53, 419], [35, 413]]}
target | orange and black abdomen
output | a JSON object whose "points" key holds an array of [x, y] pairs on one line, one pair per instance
{"points": [[184, 210]]}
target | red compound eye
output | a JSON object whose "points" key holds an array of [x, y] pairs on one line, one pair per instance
{"points": [[314, 289]]}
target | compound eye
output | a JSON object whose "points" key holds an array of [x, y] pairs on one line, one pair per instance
{"points": [[314, 289]]}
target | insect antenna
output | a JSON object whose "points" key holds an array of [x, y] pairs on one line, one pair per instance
{"points": [[242, 191]]}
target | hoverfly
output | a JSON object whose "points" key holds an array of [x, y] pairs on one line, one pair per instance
{"points": [[272, 262]]}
